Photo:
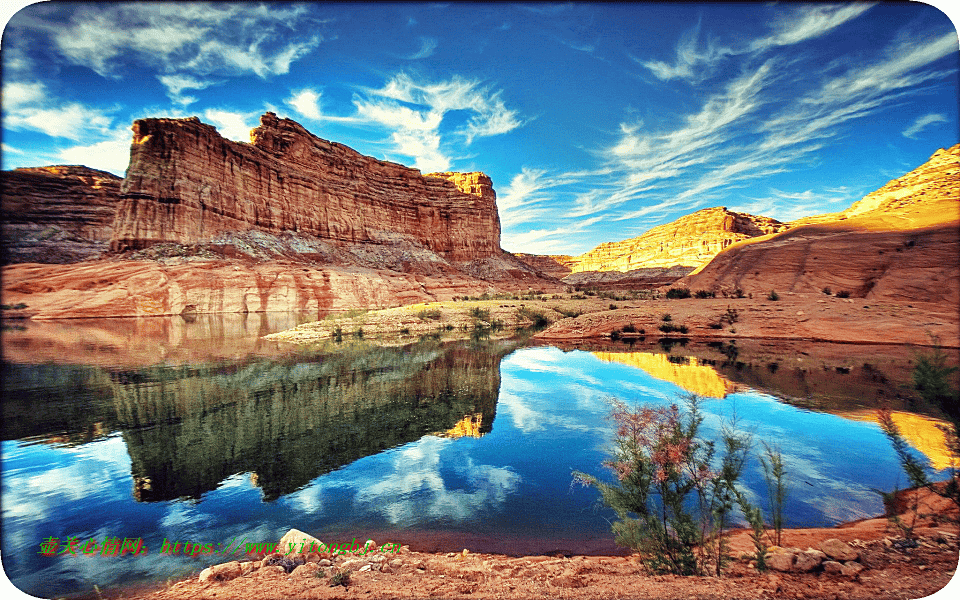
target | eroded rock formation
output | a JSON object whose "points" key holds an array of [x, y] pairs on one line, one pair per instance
{"points": [[690, 241], [57, 214], [188, 184], [899, 243]]}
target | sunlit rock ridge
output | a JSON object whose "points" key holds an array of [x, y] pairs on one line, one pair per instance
{"points": [[691, 241], [901, 243]]}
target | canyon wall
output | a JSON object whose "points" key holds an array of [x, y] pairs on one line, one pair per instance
{"points": [[57, 214], [901, 243], [690, 241], [187, 184]]}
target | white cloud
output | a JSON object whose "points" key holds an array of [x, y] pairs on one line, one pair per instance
{"points": [[689, 59], [414, 112], [307, 103], [29, 106], [809, 21], [111, 155], [921, 123], [427, 46], [197, 38], [232, 125], [177, 83]]}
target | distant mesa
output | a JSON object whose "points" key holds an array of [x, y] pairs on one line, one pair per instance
{"points": [[901, 243]]}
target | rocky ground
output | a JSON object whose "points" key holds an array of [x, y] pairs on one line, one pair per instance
{"points": [[863, 560], [807, 317]]}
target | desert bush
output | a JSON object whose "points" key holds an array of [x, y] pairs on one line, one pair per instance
{"points": [[338, 334], [705, 294], [843, 294], [479, 313], [429, 314], [773, 296], [931, 377], [613, 307], [738, 293], [666, 317], [775, 475], [676, 293], [629, 328], [827, 291], [672, 505], [615, 334], [731, 316]]}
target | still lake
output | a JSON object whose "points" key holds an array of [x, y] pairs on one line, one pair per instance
{"points": [[199, 431]]}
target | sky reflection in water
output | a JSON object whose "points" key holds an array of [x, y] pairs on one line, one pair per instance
{"points": [[508, 488]]}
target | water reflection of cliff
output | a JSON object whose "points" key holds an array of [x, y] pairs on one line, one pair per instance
{"points": [[284, 420], [189, 428], [842, 390], [684, 371]]}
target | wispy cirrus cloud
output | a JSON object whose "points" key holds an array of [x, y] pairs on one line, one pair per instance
{"points": [[692, 63], [809, 21], [176, 84], [427, 47], [184, 41], [414, 112], [695, 61], [922, 123]]}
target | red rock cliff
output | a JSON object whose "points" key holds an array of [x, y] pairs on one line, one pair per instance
{"points": [[187, 184], [57, 214]]}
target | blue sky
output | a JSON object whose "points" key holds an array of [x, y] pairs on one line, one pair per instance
{"points": [[596, 122]]}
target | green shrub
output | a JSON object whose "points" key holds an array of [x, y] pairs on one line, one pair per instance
{"points": [[827, 291], [338, 334], [666, 317], [629, 328], [678, 293], [773, 296], [613, 307], [731, 316], [429, 314], [479, 313], [340, 578], [843, 294], [705, 294], [672, 497]]}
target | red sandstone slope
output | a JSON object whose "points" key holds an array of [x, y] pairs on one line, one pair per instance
{"points": [[901, 243]]}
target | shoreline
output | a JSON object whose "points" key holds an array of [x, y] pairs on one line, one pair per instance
{"points": [[412, 573], [812, 318]]}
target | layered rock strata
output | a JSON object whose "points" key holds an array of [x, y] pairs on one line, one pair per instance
{"points": [[57, 214], [188, 184], [691, 241], [899, 243]]}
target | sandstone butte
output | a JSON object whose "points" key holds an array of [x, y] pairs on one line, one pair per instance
{"points": [[288, 222], [899, 243]]}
